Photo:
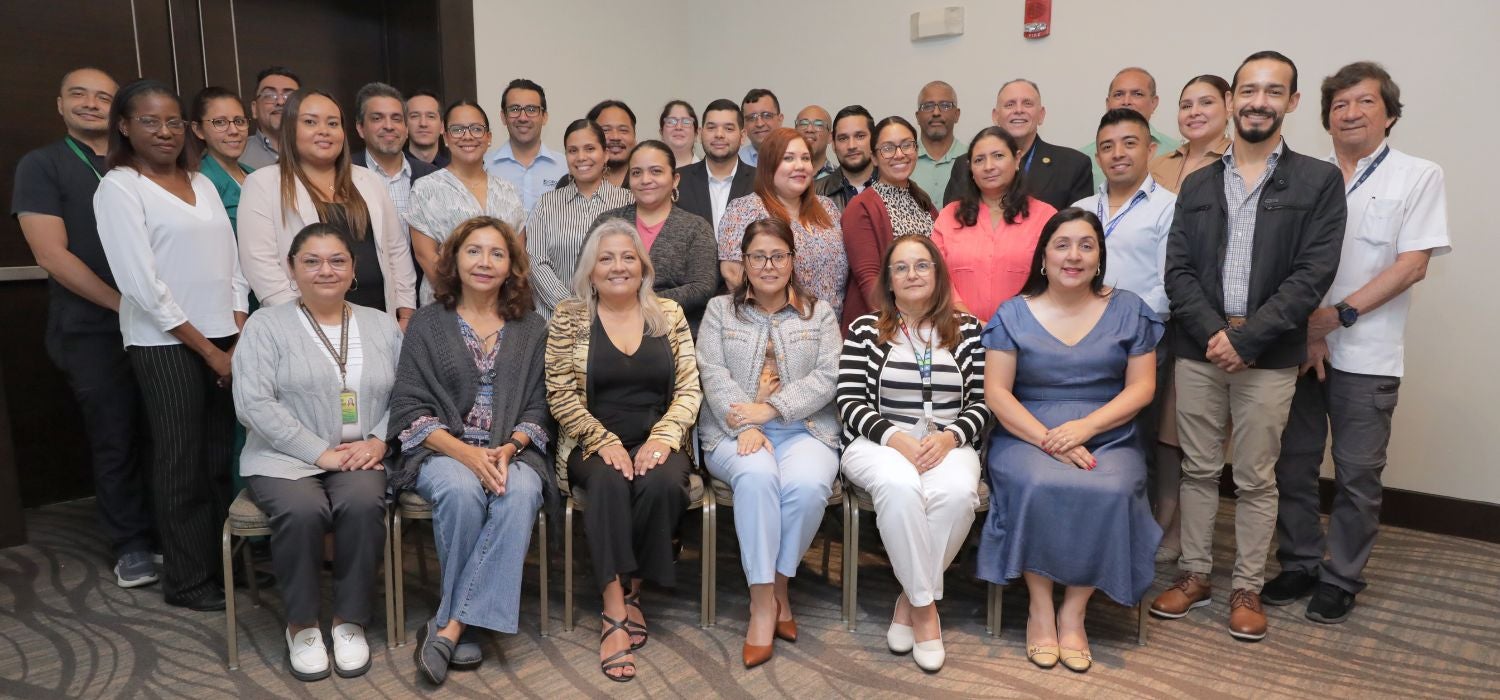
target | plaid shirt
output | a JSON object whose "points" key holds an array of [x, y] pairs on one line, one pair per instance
{"points": [[1243, 207]]}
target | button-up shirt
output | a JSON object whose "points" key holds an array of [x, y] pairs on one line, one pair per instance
{"points": [[397, 183], [531, 181], [932, 175], [718, 192], [1244, 205], [1171, 169], [258, 153], [748, 153], [555, 230], [1136, 236]]}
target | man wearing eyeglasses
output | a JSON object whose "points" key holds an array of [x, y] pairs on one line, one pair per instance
{"points": [[272, 86], [523, 160], [937, 146], [380, 119], [816, 126], [762, 116]]}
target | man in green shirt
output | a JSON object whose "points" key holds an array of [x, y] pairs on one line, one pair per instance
{"points": [[937, 147], [1132, 88]]}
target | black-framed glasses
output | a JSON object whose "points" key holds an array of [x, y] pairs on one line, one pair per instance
{"points": [[530, 110], [679, 121], [818, 124], [760, 116], [944, 106], [889, 149], [759, 261], [476, 130], [923, 268], [154, 125]]}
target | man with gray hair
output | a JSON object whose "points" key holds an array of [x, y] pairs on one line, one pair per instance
{"points": [[380, 119], [1132, 88]]}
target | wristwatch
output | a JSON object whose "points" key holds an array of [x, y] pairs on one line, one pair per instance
{"points": [[1347, 314], [516, 444]]}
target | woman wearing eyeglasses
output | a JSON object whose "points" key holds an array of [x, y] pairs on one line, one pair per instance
{"points": [[894, 206], [679, 128], [218, 119], [459, 192]]}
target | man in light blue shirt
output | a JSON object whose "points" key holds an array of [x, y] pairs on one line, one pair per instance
{"points": [[523, 160], [1133, 88], [762, 116]]}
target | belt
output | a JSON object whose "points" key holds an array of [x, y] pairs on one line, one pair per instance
{"points": [[1236, 321]]}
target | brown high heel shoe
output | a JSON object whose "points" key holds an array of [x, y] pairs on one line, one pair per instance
{"points": [[785, 629]]}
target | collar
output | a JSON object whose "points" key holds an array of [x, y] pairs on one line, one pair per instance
{"points": [[1148, 186], [374, 165], [726, 178], [954, 150], [1333, 157], [505, 152], [1219, 148], [1228, 157], [874, 178], [572, 192]]}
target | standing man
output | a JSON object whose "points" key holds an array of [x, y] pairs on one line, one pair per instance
{"points": [[1398, 220], [617, 120], [852, 129], [1253, 249], [272, 86], [1133, 88], [816, 126], [523, 160], [54, 203], [424, 125], [708, 185], [380, 119], [937, 146], [762, 115], [1057, 175]]}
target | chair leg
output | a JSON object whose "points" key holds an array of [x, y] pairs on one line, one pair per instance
{"points": [[542, 552], [996, 608], [249, 574], [706, 553], [390, 595], [399, 567], [568, 566], [422, 559], [231, 635], [1140, 624], [851, 551]]}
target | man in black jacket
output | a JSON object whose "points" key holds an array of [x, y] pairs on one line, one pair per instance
{"points": [[1057, 175], [1254, 247], [709, 185]]}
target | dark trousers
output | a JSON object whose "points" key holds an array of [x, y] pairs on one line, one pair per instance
{"points": [[192, 434], [351, 505], [1358, 409], [630, 523], [1148, 420], [99, 372]]}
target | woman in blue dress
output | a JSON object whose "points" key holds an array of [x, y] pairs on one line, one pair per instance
{"points": [[1069, 363]]}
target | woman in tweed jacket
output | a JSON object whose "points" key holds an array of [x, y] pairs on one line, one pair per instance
{"points": [[622, 381]]}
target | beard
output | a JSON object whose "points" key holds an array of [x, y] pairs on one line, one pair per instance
{"points": [[854, 163], [1257, 135]]}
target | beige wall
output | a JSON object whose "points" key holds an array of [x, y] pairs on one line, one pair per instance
{"points": [[836, 52]]}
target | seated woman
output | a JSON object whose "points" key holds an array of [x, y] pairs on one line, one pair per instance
{"points": [[311, 382], [911, 398], [769, 357], [1070, 362], [471, 410], [622, 380]]}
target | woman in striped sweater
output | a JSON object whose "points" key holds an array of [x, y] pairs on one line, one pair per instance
{"points": [[911, 399]]}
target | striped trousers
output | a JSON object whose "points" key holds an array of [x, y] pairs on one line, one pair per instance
{"points": [[192, 431]]}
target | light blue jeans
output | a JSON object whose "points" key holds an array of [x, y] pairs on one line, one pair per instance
{"points": [[779, 498], [481, 540]]}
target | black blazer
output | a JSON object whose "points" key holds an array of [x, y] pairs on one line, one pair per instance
{"points": [[419, 168], [1058, 175], [1299, 233], [692, 189]]}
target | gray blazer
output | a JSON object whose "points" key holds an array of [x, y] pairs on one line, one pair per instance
{"points": [[686, 258], [731, 351], [286, 392]]}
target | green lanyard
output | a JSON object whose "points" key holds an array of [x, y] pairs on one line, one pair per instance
{"points": [[79, 152]]}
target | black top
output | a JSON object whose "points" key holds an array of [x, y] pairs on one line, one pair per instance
{"points": [[1057, 175], [52, 180], [369, 280], [629, 393]]}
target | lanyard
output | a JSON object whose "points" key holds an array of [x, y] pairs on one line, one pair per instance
{"points": [[79, 152], [341, 356], [1370, 170], [1026, 167], [924, 368], [1139, 197]]}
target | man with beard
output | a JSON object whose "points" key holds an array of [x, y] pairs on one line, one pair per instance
{"points": [[617, 121], [762, 116], [1253, 249], [707, 186], [380, 119], [523, 160], [272, 86], [54, 203], [424, 125], [852, 129], [1057, 175], [937, 146], [816, 126]]}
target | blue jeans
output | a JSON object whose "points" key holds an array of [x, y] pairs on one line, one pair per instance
{"points": [[779, 498], [481, 540]]}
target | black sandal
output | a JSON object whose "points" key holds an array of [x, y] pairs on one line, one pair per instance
{"points": [[636, 628], [610, 663]]}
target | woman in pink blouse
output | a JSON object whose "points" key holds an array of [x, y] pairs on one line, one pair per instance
{"points": [[989, 234]]}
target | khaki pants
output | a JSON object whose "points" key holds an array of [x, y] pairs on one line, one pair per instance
{"points": [[1258, 401]]}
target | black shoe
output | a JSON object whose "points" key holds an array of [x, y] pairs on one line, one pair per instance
{"points": [[1288, 586], [1330, 605], [263, 579], [433, 654], [210, 599]]}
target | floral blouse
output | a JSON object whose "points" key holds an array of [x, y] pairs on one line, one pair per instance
{"points": [[481, 417], [821, 265]]}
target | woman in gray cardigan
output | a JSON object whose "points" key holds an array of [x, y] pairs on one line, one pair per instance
{"points": [[769, 357], [469, 414], [311, 382]]}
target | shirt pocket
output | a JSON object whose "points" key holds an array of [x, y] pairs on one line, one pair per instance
{"points": [[1381, 223]]}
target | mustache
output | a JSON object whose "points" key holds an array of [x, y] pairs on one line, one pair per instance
{"points": [[1254, 112]]}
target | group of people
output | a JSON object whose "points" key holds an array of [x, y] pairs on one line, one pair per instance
{"points": [[501, 328]]}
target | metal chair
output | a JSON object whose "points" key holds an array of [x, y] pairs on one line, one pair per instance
{"points": [[411, 506], [993, 622], [247, 520], [724, 496]]}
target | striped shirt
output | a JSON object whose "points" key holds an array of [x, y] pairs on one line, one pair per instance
{"points": [[901, 386], [554, 236], [1244, 203], [397, 183]]}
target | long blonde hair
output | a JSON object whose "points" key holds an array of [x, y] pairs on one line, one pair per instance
{"points": [[358, 213], [583, 285]]}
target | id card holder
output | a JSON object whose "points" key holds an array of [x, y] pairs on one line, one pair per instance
{"points": [[349, 407], [921, 429]]}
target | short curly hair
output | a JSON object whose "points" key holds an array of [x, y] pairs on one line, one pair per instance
{"points": [[515, 293]]}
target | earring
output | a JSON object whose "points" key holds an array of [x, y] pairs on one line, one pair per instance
{"points": [[1099, 271], [1043, 270], [674, 194], [355, 286]]}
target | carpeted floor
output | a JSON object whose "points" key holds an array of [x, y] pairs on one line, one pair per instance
{"points": [[1429, 626]]}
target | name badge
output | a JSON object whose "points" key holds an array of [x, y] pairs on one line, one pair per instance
{"points": [[349, 406]]}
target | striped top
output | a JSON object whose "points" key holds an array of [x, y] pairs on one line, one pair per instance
{"points": [[441, 201], [901, 384], [554, 236]]}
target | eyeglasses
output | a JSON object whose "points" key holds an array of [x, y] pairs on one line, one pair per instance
{"points": [[221, 124], [313, 263], [679, 121], [760, 116], [154, 125], [516, 110], [889, 149], [923, 268], [271, 95], [818, 124], [759, 262], [944, 106], [476, 130]]}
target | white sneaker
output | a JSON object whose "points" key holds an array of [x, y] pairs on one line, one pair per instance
{"points": [[307, 655], [929, 655], [351, 653], [899, 638]]}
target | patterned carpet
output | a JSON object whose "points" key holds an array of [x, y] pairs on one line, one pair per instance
{"points": [[1428, 627]]}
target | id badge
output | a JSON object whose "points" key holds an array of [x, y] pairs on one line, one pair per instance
{"points": [[349, 406], [921, 429]]}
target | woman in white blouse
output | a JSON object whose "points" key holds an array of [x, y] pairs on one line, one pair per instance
{"points": [[315, 182], [463, 190], [182, 303]]}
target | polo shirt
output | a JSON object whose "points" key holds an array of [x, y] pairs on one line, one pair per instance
{"points": [[258, 153], [1135, 236], [531, 181], [932, 175]]}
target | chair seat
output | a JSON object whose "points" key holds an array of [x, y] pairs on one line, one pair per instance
{"points": [[245, 515], [414, 507], [863, 501], [724, 494], [695, 493]]}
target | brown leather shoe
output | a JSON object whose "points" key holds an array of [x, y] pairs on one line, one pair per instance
{"points": [[1247, 620], [785, 629], [754, 655], [1188, 591]]}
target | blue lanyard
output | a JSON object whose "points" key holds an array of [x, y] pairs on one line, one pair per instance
{"points": [[1369, 171], [1137, 199], [1026, 167]]}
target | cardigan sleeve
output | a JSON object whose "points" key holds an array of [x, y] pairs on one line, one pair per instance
{"points": [[687, 395], [257, 220], [975, 415], [862, 246], [564, 395], [700, 258], [256, 358], [856, 363], [809, 393]]}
